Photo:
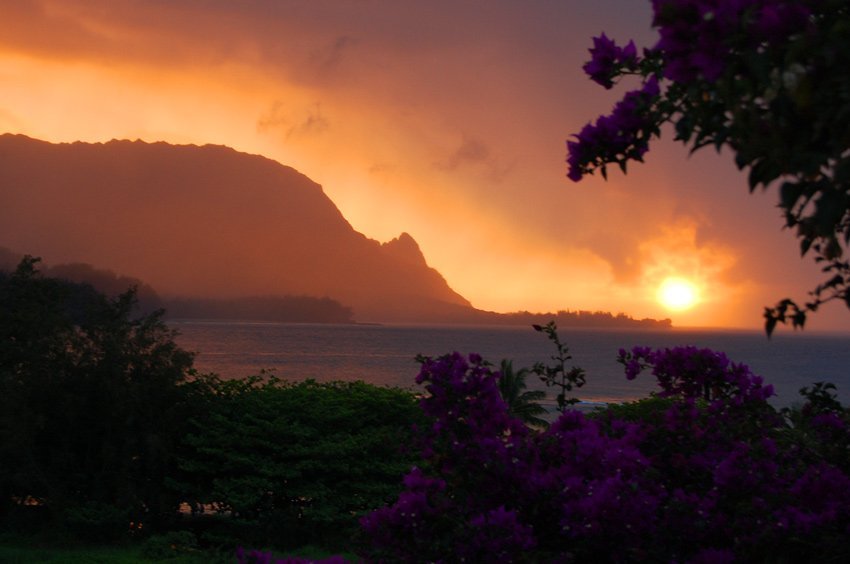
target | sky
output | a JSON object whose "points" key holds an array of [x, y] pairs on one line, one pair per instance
{"points": [[444, 119]]}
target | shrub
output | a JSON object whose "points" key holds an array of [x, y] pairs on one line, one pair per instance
{"points": [[297, 463], [169, 545], [708, 472]]}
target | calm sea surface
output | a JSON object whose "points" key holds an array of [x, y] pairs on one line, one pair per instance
{"points": [[384, 354]]}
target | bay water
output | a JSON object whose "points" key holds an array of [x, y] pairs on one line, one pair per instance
{"points": [[384, 354]]}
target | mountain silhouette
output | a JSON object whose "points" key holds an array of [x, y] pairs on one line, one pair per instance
{"points": [[207, 222]]}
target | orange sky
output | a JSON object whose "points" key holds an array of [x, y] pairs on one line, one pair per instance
{"points": [[444, 119]]}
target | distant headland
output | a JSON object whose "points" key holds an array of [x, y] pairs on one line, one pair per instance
{"points": [[221, 234]]}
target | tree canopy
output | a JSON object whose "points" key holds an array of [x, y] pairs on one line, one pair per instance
{"points": [[91, 405]]}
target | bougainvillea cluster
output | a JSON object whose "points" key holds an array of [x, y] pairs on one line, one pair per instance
{"points": [[699, 39], [692, 373], [608, 60], [617, 138], [707, 471]]}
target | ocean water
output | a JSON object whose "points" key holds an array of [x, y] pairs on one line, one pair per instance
{"points": [[384, 354]]}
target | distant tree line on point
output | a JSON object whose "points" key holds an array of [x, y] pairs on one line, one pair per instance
{"points": [[301, 308], [578, 318]]}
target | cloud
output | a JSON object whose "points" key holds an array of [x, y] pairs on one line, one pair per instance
{"points": [[471, 151], [295, 123], [437, 118], [476, 157], [328, 59], [677, 252]]}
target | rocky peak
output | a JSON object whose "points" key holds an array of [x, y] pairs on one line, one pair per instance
{"points": [[404, 248]]}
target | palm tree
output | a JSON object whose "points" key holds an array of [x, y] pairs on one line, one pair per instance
{"points": [[522, 403]]}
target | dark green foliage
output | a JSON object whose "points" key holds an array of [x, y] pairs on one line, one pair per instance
{"points": [[95, 521], [558, 374], [295, 463], [649, 410], [818, 427], [522, 403], [91, 406], [170, 548], [105, 429], [169, 545]]}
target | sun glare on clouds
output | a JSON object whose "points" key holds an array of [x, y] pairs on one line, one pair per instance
{"points": [[687, 277], [379, 106], [677, 294]]}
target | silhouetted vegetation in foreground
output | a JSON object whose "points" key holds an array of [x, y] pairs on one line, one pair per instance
{"points": [[108, 435]]}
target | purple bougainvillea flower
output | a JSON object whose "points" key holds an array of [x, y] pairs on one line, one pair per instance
{"points": [[617, 137], [607, 59]]}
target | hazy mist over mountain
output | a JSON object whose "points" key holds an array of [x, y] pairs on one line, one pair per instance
{"points": [[207, 222]]}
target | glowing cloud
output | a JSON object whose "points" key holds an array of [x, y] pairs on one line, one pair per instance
{"points": [[416, 117]]}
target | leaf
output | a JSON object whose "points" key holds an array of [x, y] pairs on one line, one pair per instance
{"points": [[770, 324], [833, 282], [833, 249], [789, 193], [684, 129], [799, 319], [763, 172], [829, 209]]}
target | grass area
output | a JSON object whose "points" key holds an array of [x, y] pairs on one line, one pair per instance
{"points": [[15, 549], [97, 555]]}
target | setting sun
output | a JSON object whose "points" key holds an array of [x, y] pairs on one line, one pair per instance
{"points": [[677, 294]]}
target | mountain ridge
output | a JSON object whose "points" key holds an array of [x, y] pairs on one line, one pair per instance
{"points": [[207, 221], [213, 229]]}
